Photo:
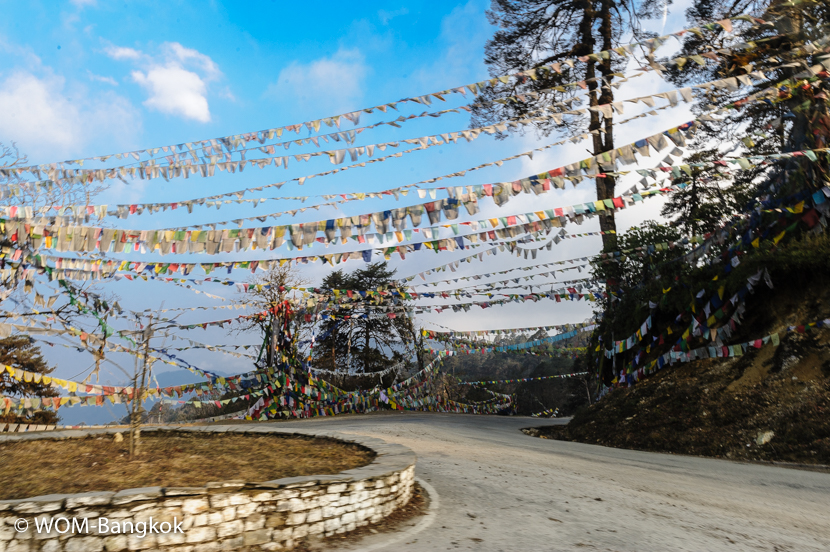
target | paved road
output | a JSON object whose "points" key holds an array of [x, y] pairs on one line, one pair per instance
{"points": [[500, 489]]}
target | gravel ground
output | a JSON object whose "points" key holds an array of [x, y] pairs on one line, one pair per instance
{"points": [[500, 489]]}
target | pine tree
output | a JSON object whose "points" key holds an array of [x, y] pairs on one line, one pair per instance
{"points": [[374, 337], [19, 351], [535, 33], [749, 52], [792, 116], [710, 196]]}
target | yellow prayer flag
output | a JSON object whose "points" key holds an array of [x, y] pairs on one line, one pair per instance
{"points": [[779, 237]]}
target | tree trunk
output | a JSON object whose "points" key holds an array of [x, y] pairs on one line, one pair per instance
{"points": [[605, 186]]}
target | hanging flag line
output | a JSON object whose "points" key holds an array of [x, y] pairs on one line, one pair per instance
{"points": [[668, 358], [234, 141], [406, 292], [256, 287], [452, 266], [631, 374], [702, 328], [380, 374], [813, 70], [213, 382], [107, 238], [523, 380], [549, 413], [551, 273], [490, 292], [151, 170], [463, 346], [614, 256], [714, 310], [90, 238], [584, 326], [726, 231], [312, 302], [696, 325], [393, 308], [329, 221], [212, 348], [185, 168], [514, 283], [342, 304], [89, 338], [522, 346], [105, 271], [122, 211], [302, 179], [350, 136], [39, 301], [697, 239], [743, 162]]}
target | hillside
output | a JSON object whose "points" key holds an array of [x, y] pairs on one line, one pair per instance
{"points": [[771, 404]]}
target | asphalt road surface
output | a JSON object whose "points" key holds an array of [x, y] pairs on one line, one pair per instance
{"points": [[499, 489]]}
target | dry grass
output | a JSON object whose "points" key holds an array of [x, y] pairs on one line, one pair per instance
{"points": [[42, 467]]}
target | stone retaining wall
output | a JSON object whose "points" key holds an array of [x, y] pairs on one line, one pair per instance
{"points": [[226, 515]]}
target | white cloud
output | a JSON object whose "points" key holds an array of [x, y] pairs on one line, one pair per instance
{"points": [[175, 91], [122, 52], [325, 86], [83, 3], [179, 53], [100, 78], [176, 81], [47, 122]]}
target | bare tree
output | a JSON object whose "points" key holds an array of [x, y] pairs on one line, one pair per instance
{"points": [[44, 194]]}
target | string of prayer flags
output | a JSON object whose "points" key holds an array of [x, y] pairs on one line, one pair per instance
{"points": [[214, 147]]}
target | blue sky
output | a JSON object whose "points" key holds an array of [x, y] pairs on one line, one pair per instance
{"points": [[88, 77]]}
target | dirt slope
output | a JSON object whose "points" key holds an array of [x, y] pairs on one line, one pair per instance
{"points": [[770, 404]]}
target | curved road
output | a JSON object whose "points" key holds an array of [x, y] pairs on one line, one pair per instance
{"points": [[500, 489]]}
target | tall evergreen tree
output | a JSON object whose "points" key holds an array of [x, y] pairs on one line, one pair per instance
{"points": [[19, 351], [374, 337], [788, 123], [659, 282], [710, 197], [536, 33]]}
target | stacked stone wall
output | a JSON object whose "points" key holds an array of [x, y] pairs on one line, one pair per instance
{"points": [[225, 515]]}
